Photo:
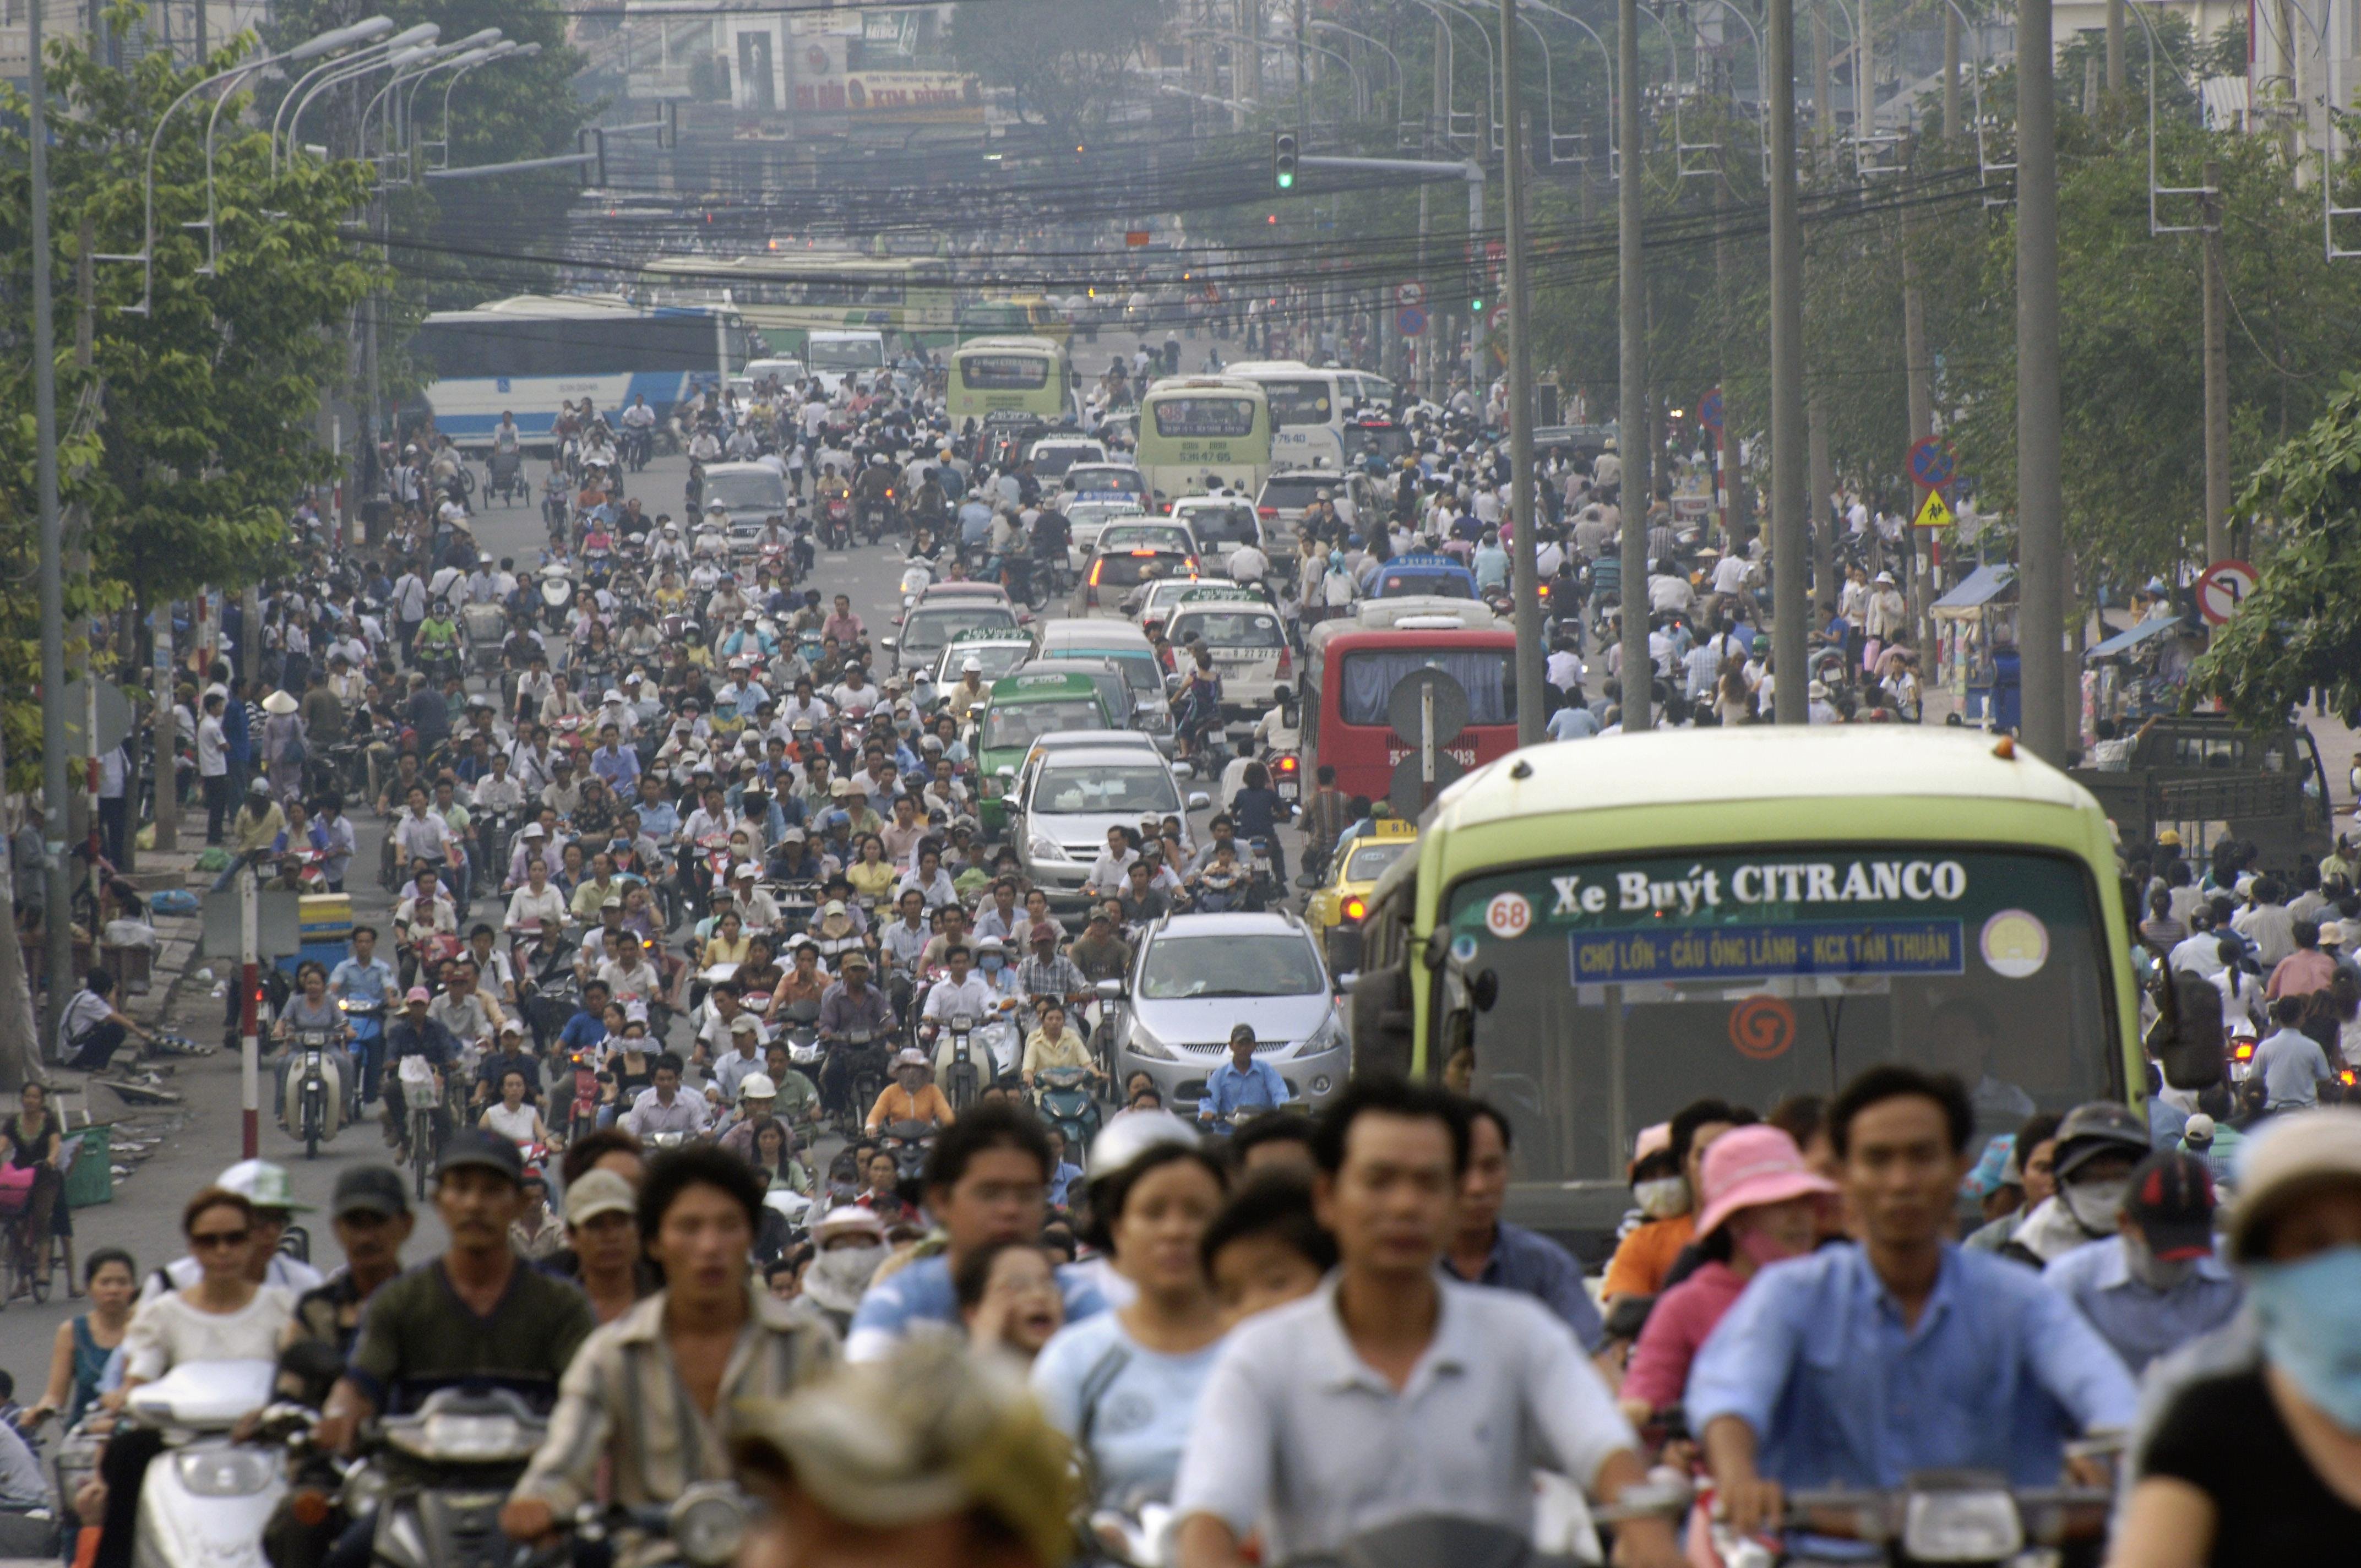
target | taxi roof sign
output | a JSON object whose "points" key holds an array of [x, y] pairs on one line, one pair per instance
{"points": [[1022, 686], [1207, 591]]}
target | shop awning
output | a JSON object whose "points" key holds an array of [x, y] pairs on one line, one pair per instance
{"points": [[1982, 585], [2123, 641]]}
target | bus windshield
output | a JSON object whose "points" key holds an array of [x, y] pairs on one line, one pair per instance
{"points": [[1619, 985], [1004, 372], [1486, 674], [1201, 417]]}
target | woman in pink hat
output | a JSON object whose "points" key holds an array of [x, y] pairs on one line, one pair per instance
{"points": [[1761, 1206]]}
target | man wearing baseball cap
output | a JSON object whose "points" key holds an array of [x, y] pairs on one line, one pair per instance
{"points": [[477, 1312], [371, 1215], [2098, 1145], [2156, 1283]]}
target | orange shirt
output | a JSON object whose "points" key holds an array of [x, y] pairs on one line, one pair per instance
{"points": [[899, 1104], [1646, 1256]]}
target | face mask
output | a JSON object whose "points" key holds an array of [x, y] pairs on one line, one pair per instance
{"points": [[991, 963], [2157, 1274], [1761, 1248], [2095, 1205], [838, 1276], [2310, 1329], [1662, 1198]]}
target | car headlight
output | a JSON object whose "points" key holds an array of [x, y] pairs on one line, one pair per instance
{"points": [[1327, 1037], [1042, 847], [1142, 1042], [226, 1472]]}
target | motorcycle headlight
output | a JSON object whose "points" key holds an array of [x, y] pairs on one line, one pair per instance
{"points": [[226, 1472], [707, 1524], [1961, 1526], [1045, 849], [467, 1439]]}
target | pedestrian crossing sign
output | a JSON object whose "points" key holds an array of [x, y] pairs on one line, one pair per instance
{"points": [[1932, 512]]}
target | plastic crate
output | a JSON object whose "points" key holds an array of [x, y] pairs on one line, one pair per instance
{"points": [[90, 1177]]}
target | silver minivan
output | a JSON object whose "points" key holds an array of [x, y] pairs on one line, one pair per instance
{"points": [[1198, 976], [1075, 794]]}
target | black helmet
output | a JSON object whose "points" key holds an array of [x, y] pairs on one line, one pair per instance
{"points": [[2099, 1127]]}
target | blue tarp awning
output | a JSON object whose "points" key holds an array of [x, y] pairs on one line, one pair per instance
{"points": [[2123, 641], [1982, 587]]}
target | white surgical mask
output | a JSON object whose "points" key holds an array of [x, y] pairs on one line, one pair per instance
{"points": [[1662, 1198], [2095, 1205]]}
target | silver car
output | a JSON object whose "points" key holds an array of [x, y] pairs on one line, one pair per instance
{"points": [[1197, 976], [1072, 799]]}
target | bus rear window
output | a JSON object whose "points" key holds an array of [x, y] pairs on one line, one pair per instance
{"points": [[1486, 674], [1298, 402], [1004, 372], [1178, 418]]}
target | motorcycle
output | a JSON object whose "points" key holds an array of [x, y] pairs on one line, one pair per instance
{"points": [[556, 596], [205, 1501], [706, 1524], [311, 1103], [836, 523], [957, 1061], [458, 1456], [365, 1015], [1064, 1097], [638, 444], [909, 1143]]}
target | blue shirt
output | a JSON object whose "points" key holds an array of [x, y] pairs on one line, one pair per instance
{"points": [[1136, 1404], [1571, 723], [620, 770], [1998, 1372], [661, 820], [1491, 565], [2292, 1068], [1532, 1265], [2141, 1321], [582, 1031], [372, 981], [1227, 1089], [923, 1295]]}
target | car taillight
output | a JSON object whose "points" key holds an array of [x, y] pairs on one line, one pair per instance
{"points": [[1286, 663], [1355, 909], [1266, 512], [1096, 567]]}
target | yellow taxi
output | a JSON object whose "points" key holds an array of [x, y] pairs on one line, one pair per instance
{"points": [[1335, 908]]}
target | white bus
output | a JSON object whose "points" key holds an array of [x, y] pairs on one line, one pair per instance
{"points": [[1199, 433], [1309, 408], [527, 355]]}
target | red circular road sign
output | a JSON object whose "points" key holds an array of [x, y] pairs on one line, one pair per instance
{"points": [[2225, 586], [1932, 462]]}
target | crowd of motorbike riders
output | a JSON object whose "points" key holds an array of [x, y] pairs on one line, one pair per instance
{"points": [[684, 893]]}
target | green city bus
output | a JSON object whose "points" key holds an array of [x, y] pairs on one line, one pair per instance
{"points": [[1011, 379], [788, 294], [1597, 934], [1199, 433]]}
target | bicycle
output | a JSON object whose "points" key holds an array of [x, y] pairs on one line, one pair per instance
{"points": [[25, 1259], [421, 1093]]}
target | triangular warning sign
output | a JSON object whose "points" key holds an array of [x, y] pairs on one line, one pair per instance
{"points": [[1932, 512]]}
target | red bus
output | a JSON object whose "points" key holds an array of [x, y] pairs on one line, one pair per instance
{"points": [[1351, 667]]}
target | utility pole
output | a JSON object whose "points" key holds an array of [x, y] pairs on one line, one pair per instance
{"points": [[1918, 378], [1950, 74], [2040, 503], [165, 762], [2217, 375], [56, 921], [1303, 114], [1525, 545], [1790, 541], [1824, 93], [2114, 46], [1631, 419]]}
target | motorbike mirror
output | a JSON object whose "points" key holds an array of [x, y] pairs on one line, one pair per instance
{"points": [[1306, 880], [1198, 800], [886, 643], [1109, 990]]}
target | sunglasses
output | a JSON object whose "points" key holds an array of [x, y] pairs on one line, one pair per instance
{"points": [[201, 1239]]}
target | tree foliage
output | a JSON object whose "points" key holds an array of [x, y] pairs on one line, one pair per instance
{"points": [[1066, 61], [2300, 630], [194, 427]]}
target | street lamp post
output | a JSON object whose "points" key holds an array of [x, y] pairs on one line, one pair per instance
{"points": [[311, 82]]}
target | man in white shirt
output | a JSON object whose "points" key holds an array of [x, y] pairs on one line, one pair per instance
{"points": [[498, 791], [1392, 1392], [962, 991]]}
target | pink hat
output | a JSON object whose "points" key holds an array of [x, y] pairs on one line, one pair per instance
{"points": [[1748, 1166]]}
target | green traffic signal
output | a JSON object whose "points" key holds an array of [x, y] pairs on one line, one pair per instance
{"points": [[1282, 160]]}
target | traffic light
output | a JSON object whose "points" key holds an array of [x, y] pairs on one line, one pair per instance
{"points": [[1282, 160]]}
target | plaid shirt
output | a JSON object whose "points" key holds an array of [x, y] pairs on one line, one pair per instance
{"points": [[621, 1405], [1056, 977]]}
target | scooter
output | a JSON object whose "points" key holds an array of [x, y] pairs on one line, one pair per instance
{"points": [[1064, 1099], [457, 1457], [557, 596], [313, 1101], [366, 1017], [909, 1143], [205, 1501]]}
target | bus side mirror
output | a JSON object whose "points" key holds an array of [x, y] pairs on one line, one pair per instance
{"points": [[1382, 1022], [2186, 1038]]}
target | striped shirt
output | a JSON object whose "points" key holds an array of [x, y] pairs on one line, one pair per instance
{"points": [[621, 1405]]}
